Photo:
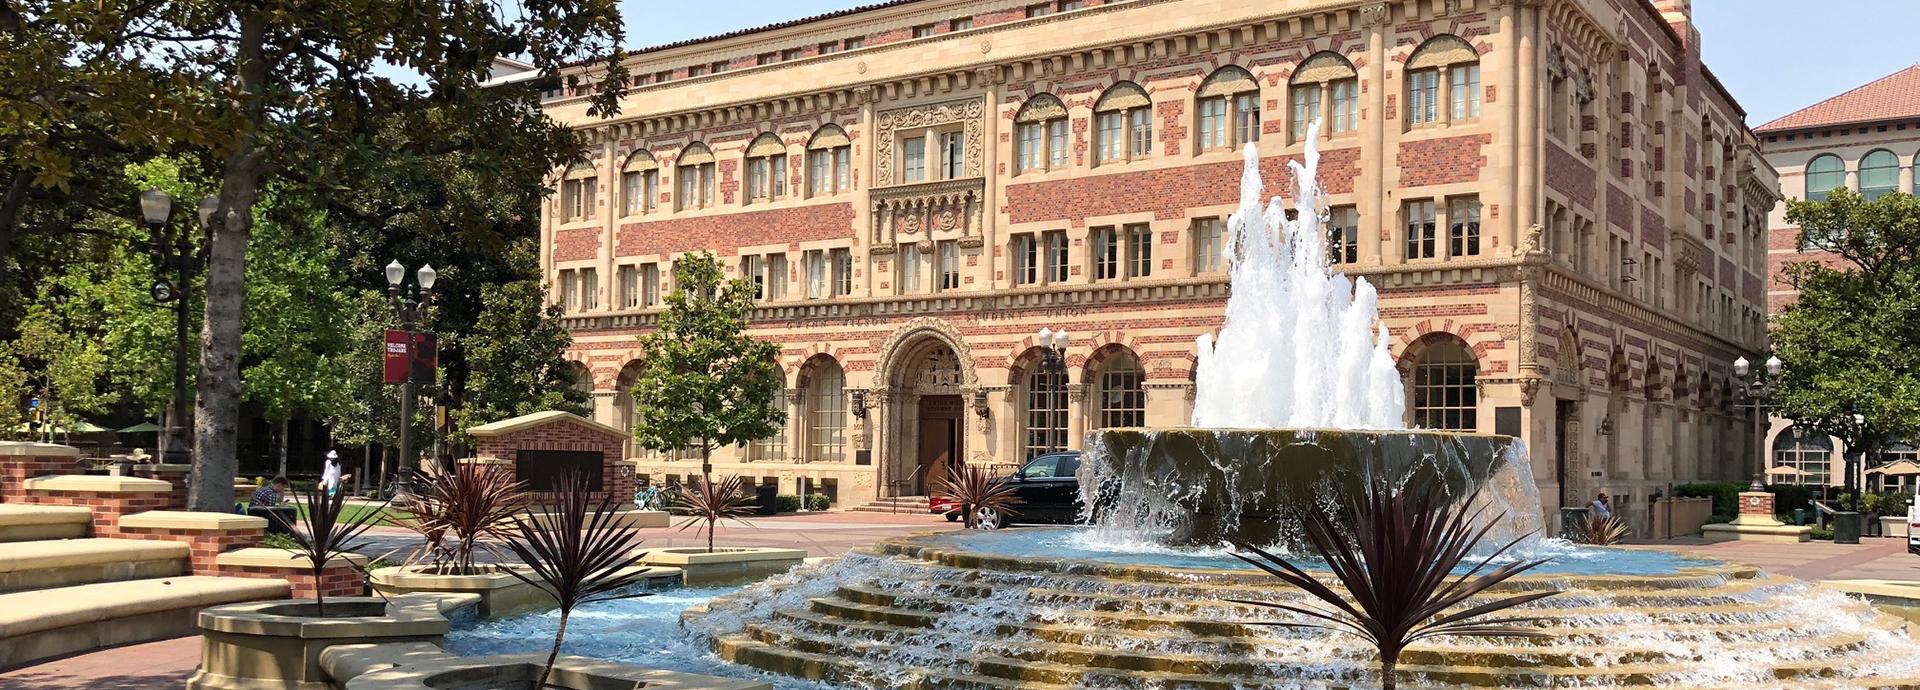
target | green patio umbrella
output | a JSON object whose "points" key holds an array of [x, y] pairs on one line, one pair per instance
{"points": [[141, 428]]}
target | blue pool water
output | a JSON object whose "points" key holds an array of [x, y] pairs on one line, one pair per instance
{"points": [[1082, 543]]}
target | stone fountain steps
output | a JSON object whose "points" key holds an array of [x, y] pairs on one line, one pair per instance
{"points": [[27, 522], [29, 565]]}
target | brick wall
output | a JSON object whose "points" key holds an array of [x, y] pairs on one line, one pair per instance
{"points": [[1569, 175], [335, 580], [1441, 161], [1167, 192], [575, 244], [177, 475], [15, 470], [724, 232], [565, 435], [205, 545], [107, 508]]}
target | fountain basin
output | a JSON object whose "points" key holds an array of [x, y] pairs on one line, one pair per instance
{"points": [[1195, 486]]}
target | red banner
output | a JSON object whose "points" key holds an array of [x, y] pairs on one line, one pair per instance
{"points": [[398, 364], [410, 354]]}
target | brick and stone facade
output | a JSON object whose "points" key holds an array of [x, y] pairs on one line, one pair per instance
{"points": [[498, 444], [1606, 272]]}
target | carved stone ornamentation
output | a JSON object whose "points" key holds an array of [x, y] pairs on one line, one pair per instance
{"points": [[967, 112], [1529, 389], [1373, 15]]}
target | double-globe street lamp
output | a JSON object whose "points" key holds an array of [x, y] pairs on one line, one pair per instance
{"points": [[179, 254], [409, 308], [1756, 394], [1053, 364]]}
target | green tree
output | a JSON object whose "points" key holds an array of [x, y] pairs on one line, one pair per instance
{"points": [[516, 353], [1851, 342], [294, 349], [271, 91], [704, 383]]}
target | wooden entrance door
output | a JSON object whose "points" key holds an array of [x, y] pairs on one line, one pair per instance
{"points": [[940, 438]]}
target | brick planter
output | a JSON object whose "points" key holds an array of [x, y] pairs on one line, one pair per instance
{"points": [[108, 497], [208, 534], [172, 474], [341, 578], [20, 462]]}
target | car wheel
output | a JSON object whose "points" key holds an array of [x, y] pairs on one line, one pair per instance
{"points": [[953, 516], [988, 518]]}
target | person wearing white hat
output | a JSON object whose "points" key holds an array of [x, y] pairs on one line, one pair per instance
{"points": [[330, 476]]}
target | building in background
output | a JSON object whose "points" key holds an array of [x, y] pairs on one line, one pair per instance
{"points": [[1561, 207], [1865, 140]]}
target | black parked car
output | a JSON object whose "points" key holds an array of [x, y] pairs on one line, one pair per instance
{"points": [[1049, 492]]}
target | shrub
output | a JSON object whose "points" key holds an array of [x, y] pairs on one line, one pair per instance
{"points": [[1719, 519], [576, 551], [706, 503], [819, 502], [786, 504], [1725, 495], [1821, 533], [473, 504], [1787, 497]]}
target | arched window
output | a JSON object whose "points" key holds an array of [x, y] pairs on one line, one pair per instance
{"points": [[1444, 394], [826, 412], [577, 190], [829, 162], [1045, 428], [1229, 109], [1122, 394], [1443, 62], [696, 177], [1325, 88], [639, 184], [1879, 174], [581, 377], [1802, 456], [1123, 124], [1041, 127], [772, 447], [623, 403], [766, 168], [1825, 173]]}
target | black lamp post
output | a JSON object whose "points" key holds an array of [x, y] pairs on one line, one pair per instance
{"points": [[175, 253], [1053, 362], [409, 306], [1859, 447], [1756, 394]]}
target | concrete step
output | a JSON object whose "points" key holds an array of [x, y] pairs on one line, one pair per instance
{"points": [[54, 622], [37, 565], [30, 522]]}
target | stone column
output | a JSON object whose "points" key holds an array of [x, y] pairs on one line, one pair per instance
{"points": [[1526, 98], [1076, 415], [1373, 176], [796, 427]]}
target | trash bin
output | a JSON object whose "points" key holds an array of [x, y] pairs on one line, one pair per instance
{"points": [[766, 495], [1847, 526], [1799, 516], [1573, 522]]}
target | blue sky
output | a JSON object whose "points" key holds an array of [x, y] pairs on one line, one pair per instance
{"points": [[1777, 56]]}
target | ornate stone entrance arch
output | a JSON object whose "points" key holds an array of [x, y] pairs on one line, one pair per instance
{"points": [[924, 419]]}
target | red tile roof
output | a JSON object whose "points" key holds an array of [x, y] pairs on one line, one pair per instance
{"points": [[1892, 97]]}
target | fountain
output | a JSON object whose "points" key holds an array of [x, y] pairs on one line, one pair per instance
{"points": [[1140, 598]]}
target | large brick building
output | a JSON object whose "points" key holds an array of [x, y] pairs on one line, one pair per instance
{"points": [[1866, 140], [1559, 204]]}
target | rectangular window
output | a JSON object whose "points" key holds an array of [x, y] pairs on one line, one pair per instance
{"points": [[1069, 5], [632, 192], [792, 54], [1246, 118], [720, 66], [697, 71], [1139, 250], [953, 154], [759, 179], [663, 76], [1423, 90], [650, 191], [1209, 235], [754, 270], [923, 31], [1346, 105], [913, 154], [766, 58], [1213, 124], [1054, 263], [820, 172], [567, 290], [1463, 227], [1026, 260], [1140, 131], [1343, 234], [816, 265], [829, 48], [706, 185], [1032, 153], [854, 43], [779, 166], [910, 261], [1109, 142], [685, 196], [1057, 144], [1420, 231], [1306, 108], [1040, 10], [629, 277], [948, 254], [649, 285], [1466, 91], [961, 24], [1106, 253], [842, 168], [776, 276], [589, 289], [842, 272]]}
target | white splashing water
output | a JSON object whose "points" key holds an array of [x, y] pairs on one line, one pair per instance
{"points": [[1271, 367]]}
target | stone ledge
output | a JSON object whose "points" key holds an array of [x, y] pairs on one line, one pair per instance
{"points": [[99, 484], [264, 557], [695, 555], [67, 553], [40, 450], [18, 514], [518, 670], [192, 520], [1780, 533], [399, 617]]}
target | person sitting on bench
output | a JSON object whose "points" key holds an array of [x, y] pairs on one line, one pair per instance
{"points": [[270, 502]]}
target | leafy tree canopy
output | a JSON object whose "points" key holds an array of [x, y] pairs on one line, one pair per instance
{"points": [[515, 354]]}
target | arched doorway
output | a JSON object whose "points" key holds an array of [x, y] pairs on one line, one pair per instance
{"points": [[932, 412]]}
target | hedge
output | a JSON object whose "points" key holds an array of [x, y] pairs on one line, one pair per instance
{"points": [[1725, 495]]}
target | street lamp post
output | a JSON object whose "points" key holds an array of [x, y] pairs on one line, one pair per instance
{"points": [[1053, 361], [1857, 456], [1756, 392], [179, 255], [409, 307]]}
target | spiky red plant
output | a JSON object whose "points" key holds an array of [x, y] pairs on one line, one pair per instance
{"points": [[577, 550], [472, 503], [707, 503], [973, 487]]}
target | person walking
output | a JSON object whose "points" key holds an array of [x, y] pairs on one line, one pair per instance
{"points": [[330, 476]]}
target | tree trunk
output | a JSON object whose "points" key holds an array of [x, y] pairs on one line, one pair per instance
{"points": [[284, 424], [216, 419], [1388, 664], [558, 635]]}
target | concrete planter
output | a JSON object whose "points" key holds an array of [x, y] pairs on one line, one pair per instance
{"points": [[1893, 526], [519, 671], [277, 644], [725, 565], [500, 594]]}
